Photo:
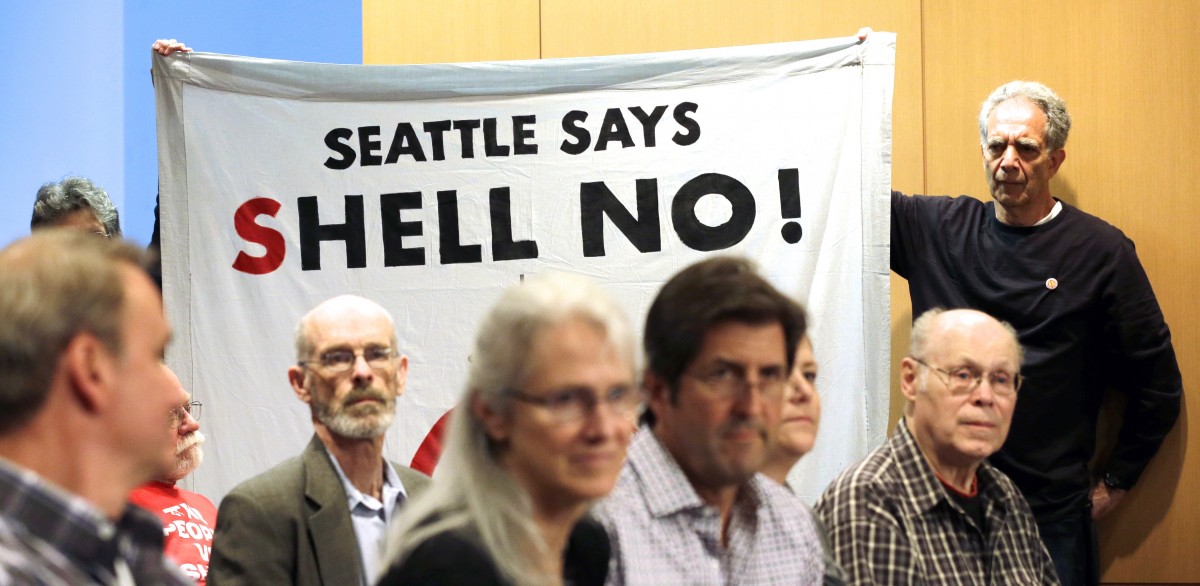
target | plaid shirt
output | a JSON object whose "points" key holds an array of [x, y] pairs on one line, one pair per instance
{"points": [[663, 533], [892, 522], [50, 537]]}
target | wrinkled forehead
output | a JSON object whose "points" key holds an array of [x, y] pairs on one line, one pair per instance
{"points": [[1017, 117], [986, 345], [351, 330]]}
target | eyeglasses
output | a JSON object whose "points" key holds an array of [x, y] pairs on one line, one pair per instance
{"points": [[377, 357], [963, 379], [574, 404], [729, 380], [180, 413]]}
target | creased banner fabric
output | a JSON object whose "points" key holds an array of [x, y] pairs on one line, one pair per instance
{"points": [[430, 188]]}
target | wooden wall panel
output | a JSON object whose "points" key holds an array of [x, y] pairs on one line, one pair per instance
{"points": [[1129, 73], [446, 31]]}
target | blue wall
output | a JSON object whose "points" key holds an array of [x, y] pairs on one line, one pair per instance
{"points": [[62, 101], [77, 97]]}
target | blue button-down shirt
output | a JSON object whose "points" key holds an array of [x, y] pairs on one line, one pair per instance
{"points": [[370, 516]]}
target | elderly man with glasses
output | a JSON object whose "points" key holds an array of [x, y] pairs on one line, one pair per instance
{"points": [[187, 517], [321, 518], [690, 506], [926, 507]]}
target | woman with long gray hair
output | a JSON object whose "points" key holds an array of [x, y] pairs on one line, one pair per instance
{"points": [[540, 434]]}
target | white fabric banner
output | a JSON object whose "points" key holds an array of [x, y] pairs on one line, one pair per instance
{"points": [[430, 188]]}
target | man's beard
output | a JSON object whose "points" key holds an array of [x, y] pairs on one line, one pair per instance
{"points": [[188, 455], [362, 420]]}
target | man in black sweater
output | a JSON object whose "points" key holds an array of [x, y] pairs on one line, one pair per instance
{"points": [[1074, 289]]}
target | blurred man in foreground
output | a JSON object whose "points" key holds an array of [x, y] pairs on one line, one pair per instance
{"points": [[84, 403]]}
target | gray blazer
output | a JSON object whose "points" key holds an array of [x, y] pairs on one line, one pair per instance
{"points": [[291, 525]]}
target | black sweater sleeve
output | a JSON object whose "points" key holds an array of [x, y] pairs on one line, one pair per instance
{"points": [[1148, 372]]}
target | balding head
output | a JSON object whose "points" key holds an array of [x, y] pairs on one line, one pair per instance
{"points": [[938, 320], [332, 311], [960, 381], [348, 369]]}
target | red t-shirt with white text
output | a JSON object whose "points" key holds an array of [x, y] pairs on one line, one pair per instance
{"points": [[188, 521]]}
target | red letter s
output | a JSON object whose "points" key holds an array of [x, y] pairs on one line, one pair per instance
{"points": [[272, 240]]}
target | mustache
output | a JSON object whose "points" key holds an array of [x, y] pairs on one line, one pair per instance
{"points": [[362, 393], [189, 441], [743, 424]]}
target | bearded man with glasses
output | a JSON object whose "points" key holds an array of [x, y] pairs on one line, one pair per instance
{"points": [[187, 518], [321, 518], [926, 507]]}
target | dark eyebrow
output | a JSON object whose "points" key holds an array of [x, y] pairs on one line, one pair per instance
{"points": [[721, 362], [742, 369]]}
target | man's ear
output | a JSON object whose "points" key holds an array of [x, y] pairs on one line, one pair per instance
{"points": [[657, 391], [401, 374], [1056, 160], [90, 369], [908, 378], [295, 375], [496, 425]]}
